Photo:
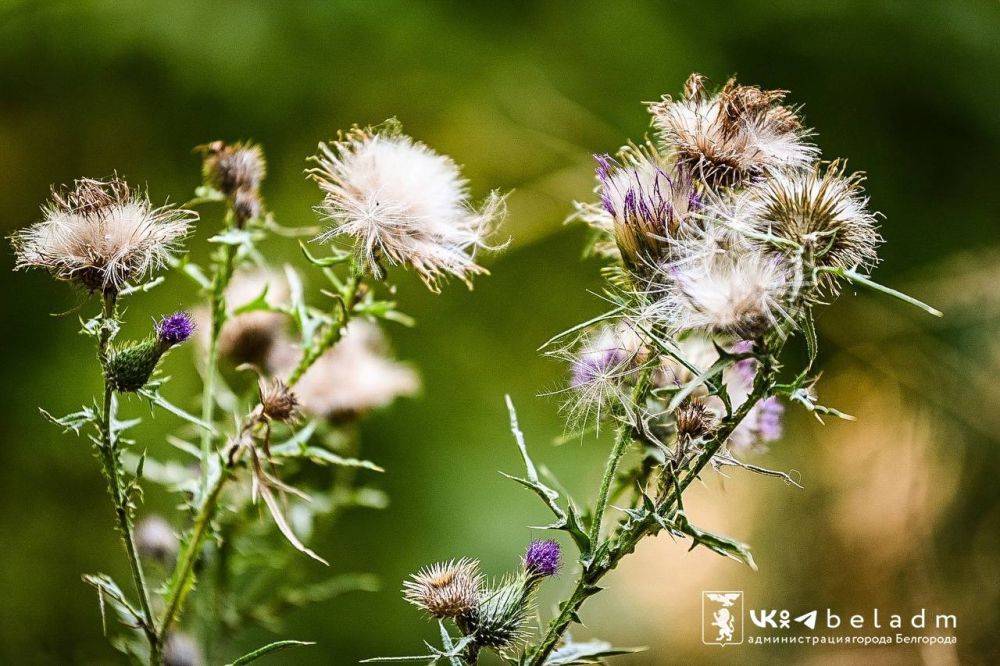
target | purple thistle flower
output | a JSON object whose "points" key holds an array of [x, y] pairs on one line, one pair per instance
{"points": [[175, 329], [596, 365], [542, 558], [769, 419]]}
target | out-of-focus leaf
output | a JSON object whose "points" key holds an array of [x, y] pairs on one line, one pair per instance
{"points": [[333, 587], [267, 649], [151, 392], [592, 652]]}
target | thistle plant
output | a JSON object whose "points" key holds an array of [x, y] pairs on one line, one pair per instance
{"points": [[722, 237], [284, 381]]}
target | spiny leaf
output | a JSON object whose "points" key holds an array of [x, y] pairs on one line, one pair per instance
{"points": [[591, 652]]}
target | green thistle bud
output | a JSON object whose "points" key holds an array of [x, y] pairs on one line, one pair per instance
{"points": [[502, 615], [131, 364]]}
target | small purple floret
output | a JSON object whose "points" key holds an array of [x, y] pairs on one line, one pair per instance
{"points": [[769, 419], [542, 558], [175, 329]]}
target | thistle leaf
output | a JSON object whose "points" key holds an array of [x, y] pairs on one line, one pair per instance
{"points": [[267, 649], [591, 652]]}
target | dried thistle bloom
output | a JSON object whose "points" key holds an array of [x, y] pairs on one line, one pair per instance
{"points": [[231, 168], [101, 234], [352, 378], [541, 558], [401, 202], [733, 137], [156, 540], [823, 211], [446, 589], [277, 401], [180, 649], [642, 203], [694, 420], [739, 294]]}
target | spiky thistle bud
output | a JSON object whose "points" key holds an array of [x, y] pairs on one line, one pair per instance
{"points": [[446, 589], [541, 559], [130, 365], [503, 614], [230, 168]]}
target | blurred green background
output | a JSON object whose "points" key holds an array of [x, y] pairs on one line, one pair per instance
{"points": [[900, 510]]}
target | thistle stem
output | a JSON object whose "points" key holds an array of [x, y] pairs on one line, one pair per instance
{"points": [[622, 442], [223, 273], [110, 459], [180, 583], [606, 557]]}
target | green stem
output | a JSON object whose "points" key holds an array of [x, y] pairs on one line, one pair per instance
{"points": [[607, 556], [217, 311], [622, 442], [111, 460], [183, 570]]}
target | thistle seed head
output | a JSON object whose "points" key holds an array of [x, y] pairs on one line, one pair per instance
{"points": [[354, 377], [739, 294], [101, 234], [232, 168], [447, 589], [734, 137], [399, 201], [823, 211]]}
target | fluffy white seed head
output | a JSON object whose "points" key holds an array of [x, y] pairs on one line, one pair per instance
{"points": [[733, 137], [737, 294], [403, 203], [101, 234], [354, 377]]}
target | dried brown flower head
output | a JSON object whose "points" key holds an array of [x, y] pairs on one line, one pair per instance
{"points": [[277, 401], [733, 137], [231, 168]]}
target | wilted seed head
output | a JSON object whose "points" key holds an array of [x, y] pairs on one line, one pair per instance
{"points": [[174, 329], [642, 204], [181, 650], [822, 210], [541, 558], [399, 201], [155, 539], [694, 420], [277, 401], [231, 168], [733, 137], [101, 234], [446, 589], [741, 294]]}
